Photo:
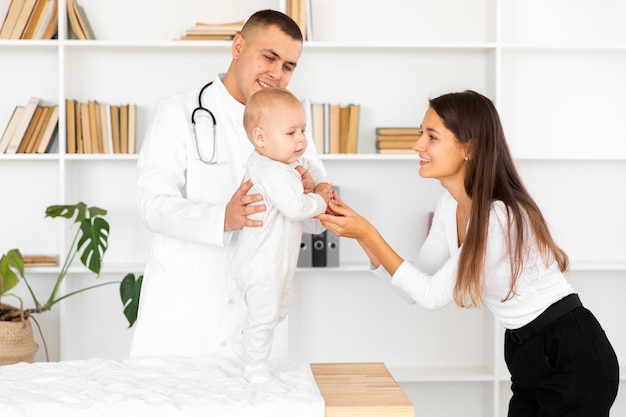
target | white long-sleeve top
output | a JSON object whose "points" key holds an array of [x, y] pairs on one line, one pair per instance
{"points": [[430, 280]]}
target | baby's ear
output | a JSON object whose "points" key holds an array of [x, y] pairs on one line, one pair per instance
{"points": [[258, 137]]}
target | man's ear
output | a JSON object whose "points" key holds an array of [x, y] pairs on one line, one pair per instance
{"points": [[237, 46], [258, 136]]}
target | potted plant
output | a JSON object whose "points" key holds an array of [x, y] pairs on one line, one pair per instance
{"points": [[90, 243]]}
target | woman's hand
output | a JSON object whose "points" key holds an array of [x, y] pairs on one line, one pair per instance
{"points": [[343, 221]]}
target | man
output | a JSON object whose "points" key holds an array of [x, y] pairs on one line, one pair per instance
{"points": [[194, 201]]}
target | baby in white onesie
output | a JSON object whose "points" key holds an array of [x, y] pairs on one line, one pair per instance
{"points": [[265, 258]]}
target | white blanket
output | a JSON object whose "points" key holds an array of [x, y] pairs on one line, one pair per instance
{"points": [[154, 387]]}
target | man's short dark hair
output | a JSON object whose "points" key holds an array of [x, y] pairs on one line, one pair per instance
{"points": [[268, 17]]}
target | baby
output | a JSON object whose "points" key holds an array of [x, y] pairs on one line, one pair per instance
{"points": [[265, 258]]}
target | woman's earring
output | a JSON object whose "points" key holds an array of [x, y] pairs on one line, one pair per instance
{"points": [[466, 158]]}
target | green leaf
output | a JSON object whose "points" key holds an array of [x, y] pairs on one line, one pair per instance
{"points": [[93, 242], [11, 264], [68, 211], [130, 292]]}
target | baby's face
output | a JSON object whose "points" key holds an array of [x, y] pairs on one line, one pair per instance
{"points": [[284, 129]]}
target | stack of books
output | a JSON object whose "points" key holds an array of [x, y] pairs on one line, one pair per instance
{"points": [[396, 139], [28, 19], [334, 128], [31, 128], [212, 32], [39, 260], [95, 127]]}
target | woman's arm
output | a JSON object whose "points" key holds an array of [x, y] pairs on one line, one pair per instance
{"points": [[346, 222], [432, 288]]}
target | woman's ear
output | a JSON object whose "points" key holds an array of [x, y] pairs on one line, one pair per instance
{"points": [[258, 137], [469, 149]]}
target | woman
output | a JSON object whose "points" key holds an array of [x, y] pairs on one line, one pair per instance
{"points": [[489, 244]]}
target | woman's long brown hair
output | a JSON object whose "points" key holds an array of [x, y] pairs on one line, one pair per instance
{"points": [[491, 176]]}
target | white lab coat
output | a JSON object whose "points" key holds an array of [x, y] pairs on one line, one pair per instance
{"points": [[189, 304]]}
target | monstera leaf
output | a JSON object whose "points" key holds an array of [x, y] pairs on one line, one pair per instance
{"points": [[11, 269]]}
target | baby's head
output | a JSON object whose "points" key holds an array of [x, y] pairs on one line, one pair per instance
{"points": [[275, 123]]}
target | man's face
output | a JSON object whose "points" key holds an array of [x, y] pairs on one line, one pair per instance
{"points": [[264, 58]]}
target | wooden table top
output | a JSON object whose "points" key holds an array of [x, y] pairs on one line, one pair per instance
{"points": [[360, 389]]}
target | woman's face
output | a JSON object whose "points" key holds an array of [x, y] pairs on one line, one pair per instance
{"points": [[442, 156]]}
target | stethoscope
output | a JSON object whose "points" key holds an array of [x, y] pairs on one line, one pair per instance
{"points": [[204, 123]]}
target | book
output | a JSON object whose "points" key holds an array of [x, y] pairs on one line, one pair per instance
{"points": [[94, 126], [395, 151], [79, 127], [106, 128], [72, 16], [51, 23], [344, 114], [398, 131], [395, 144], [50, 130], [30, 134], [132, 122], [86, 128], [34, 20], [326, 128], [39, 260], [123, 128], [70, 121], [23, 18], [115, 127], [13, 13], [83, 22], [317, 118], [352, 136], [37, 134], [334, 130], [20, 130], [18, 111], [38, 26]]}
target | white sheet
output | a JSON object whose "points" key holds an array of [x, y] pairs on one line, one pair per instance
{"points": [[154, 387]]}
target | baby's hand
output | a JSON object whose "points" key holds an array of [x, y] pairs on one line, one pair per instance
{"points": [[324, 189]]}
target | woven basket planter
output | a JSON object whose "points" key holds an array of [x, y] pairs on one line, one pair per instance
{"points": [[16, 338]]}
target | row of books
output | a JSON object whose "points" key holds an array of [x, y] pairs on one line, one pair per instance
{"points": [[28, 19], [31, 128], [396, 139], [334, 128], [94, 127]]}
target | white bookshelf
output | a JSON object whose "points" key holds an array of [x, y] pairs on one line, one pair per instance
{"points": [[555, 71]]}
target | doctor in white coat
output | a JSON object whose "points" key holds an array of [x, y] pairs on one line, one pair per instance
{"points": [[189, 304]]}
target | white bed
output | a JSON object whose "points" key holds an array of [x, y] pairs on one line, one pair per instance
{"points": [[154, 387]]}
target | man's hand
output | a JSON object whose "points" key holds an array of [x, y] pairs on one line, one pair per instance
{"points": [[307, 182], [238, 208]]}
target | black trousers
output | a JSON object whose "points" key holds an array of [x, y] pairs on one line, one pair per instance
{"points": [[561, 364]]}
